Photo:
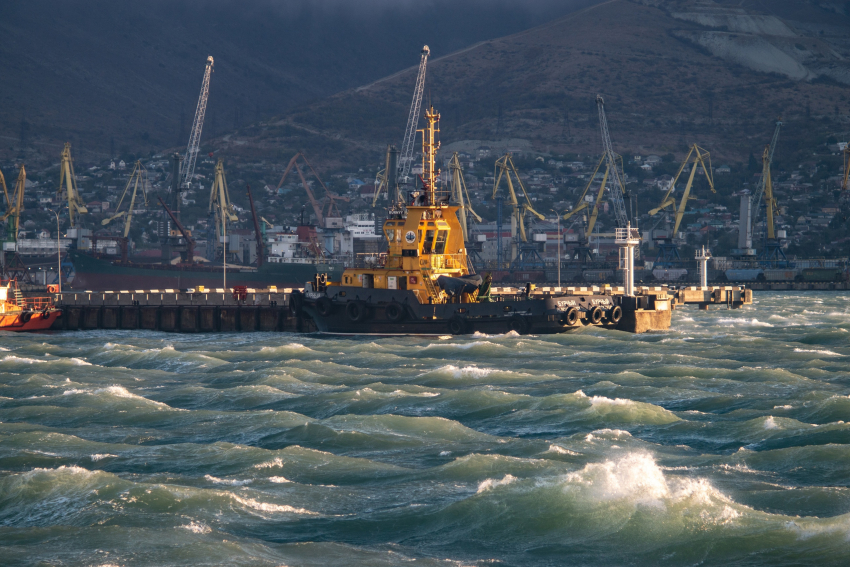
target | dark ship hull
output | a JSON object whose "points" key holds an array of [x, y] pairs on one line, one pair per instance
{"points": [[98, 274], [345, 310]]}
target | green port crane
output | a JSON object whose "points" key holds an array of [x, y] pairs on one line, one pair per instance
{"points": [[505, 167], [76, 206], [138, 179], [14, 205]]}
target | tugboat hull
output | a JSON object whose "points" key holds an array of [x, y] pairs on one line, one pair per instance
{"points": [[382, 311]]}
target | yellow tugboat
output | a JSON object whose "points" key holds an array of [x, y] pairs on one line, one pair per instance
{"points": [[424, 283]]}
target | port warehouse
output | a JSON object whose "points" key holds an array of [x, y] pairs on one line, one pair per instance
{"points": [[269, 310]]}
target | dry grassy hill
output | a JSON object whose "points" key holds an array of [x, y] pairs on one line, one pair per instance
{"points": [[672, 73]]}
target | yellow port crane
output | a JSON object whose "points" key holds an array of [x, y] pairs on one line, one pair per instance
{"points": [[700, 156], [504, 167], [138, 179], [14, 204], [583, 204], [76, 206], [460, 195], [771, 208], [220, 208]]}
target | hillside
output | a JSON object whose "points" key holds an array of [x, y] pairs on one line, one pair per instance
{"points": [[672, 73], [127, 74]]}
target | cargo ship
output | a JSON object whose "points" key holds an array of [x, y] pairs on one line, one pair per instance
{"points": [[19, 313], [424, 283]]}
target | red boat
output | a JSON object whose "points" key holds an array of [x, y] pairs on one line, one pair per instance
{"points": [[19, 313]]}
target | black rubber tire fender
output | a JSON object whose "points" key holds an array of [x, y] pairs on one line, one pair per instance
{"points": [[518, 324], [25, 317], [596, 315], [571, 316], [356, 311], [295, 299], [457, 325], [324, 306], [615, 314], [394, 312]]}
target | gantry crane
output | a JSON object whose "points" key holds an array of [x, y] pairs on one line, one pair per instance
{"points": [[460, 195], [220, 212], [138, 179], [14, 205], [190, 242], [197, 125], [76, 206], [324, 209], [619, 188], [406, 160], [505, 166], [668, 251]]}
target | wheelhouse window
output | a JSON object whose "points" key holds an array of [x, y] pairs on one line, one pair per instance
{"points": [[440, 242], [428, 242]]}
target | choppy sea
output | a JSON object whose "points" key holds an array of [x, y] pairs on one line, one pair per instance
{"points": [[723, 441]]}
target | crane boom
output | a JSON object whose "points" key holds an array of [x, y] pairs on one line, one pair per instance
{"points": [[769, 199], [76, 206], [137, 178], [406, 160], [190, 242], [15, 204], [257, 232], [611, 162], [197, 125], [700, 157], [459, 191]]}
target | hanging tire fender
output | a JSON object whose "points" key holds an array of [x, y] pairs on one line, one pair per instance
{"points": [[457, 325], [324, 306], [571, 317], [615, 314], [596, 315], [356, 311], [394, 312]]}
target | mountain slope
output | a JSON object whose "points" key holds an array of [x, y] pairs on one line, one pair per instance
{"points": [[672, 73]]}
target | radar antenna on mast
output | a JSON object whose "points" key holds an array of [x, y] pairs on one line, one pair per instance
{"points": [[198, 124], [613, 168]]}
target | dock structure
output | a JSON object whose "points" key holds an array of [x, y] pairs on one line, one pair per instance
{"points": [[247, 310]]}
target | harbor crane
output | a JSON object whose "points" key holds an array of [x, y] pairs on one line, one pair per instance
{"points": [[76, 206], [220, 212], [406, 159], [325, 209], [772, 253], [460, 195], [669, 252], [258, 233], [387, 178], [197, 125], [619, 187], [760, 188], [583, 204], [505, 167], [138, 179], [190, 242], [14, 205]]}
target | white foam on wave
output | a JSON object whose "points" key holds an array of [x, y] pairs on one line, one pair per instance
{"points": [[462, 346], [99, 456], [603, 433], [491, 483], [735, 322], [786, 406], [230, 481], [269, 507], [817, 351], [557, 449], [274, 463], [466, 371], [118, 392], [278, 479], [770, 423], [196, 528], [637, 479]]}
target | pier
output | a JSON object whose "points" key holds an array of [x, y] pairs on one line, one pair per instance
{"points": [[249, 310]]}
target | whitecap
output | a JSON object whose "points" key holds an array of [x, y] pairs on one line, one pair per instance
{"points": [[230, 481], [98, 456], [269, 507], [278, 479], [491, 483], [196, 527], [817, 351], [276, 462], [770, 423], [560, 450]]}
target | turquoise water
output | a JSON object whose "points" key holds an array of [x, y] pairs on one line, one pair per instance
{"points": [[721, 441]]}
